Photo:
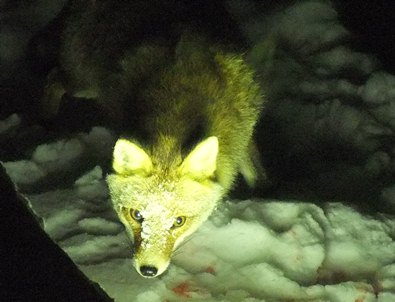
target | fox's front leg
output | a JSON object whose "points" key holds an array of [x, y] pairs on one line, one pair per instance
{"points": [[252, 169], [53, 92]]}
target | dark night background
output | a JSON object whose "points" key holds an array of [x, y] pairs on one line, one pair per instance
{"points": [[371, 22], [35, 34], [318, 159]]}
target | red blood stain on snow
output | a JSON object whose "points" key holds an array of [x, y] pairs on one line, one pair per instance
{"points": [[210, 270], [182, 290]]}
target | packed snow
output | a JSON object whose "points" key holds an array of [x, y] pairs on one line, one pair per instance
{"points": [[321, 93], [252, 250], [329, 104]]}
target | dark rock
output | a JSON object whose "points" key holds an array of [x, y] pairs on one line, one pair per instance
{"points": [[34, 268]]}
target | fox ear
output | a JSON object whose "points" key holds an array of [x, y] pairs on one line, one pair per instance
{"points": [[130, 159], [202, 161]]}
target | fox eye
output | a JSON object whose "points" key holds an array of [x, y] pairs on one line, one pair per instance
{"points": [[179, 221], [136, 215]]}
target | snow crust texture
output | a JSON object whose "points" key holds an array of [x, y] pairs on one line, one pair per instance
{"points": [[329, 105], [253, 250], [334, 111]]}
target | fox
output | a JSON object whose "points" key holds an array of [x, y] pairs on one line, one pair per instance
{"points": [[189, 103]]}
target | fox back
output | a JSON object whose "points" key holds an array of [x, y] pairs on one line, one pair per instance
{"points": [[190, 106]]}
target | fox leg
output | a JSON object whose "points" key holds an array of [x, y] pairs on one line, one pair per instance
{"points": [[251, 167], [53, 92]]}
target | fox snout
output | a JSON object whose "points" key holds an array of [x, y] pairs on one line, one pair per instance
{"points": [[154, 238], [151, 265]]}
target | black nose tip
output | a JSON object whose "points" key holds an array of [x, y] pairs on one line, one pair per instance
{"points": [[148, 271]]}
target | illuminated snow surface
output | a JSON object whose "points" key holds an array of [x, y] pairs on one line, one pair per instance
{"points": [[253, 250]]}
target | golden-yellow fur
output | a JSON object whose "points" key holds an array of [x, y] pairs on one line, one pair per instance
{"points": [[189, 107]]}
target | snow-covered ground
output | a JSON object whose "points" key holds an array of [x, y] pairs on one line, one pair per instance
{"points": [[330, 119], [252, 250], [323, 95]]}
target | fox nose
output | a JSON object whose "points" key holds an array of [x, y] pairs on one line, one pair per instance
{"points": [[148, 271]]}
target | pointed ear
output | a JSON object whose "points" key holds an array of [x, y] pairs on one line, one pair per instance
{"points": [[130, 159], [202, 161]]}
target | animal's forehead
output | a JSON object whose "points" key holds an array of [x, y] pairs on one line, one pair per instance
{"points": [[167, 197], [161, 202], [158, 191]]}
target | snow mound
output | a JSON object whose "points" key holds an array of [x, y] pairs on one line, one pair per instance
{"points": [[56, 159], [253, 250], [270, 251]]}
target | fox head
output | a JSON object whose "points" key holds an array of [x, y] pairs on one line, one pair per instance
{"points": [[161, 208]]}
